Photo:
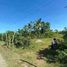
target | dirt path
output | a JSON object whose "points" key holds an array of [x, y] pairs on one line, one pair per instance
{"points": [[2, 62]]}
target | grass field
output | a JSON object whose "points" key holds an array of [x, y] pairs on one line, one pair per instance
{"points": [[18, 57]]}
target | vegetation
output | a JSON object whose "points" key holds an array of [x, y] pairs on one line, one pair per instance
{"points": [[33, 42]]}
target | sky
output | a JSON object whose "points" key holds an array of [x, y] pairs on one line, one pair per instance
{"points": [[14, 14]]}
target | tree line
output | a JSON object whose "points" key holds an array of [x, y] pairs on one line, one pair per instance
{"points": [[34, 29]]}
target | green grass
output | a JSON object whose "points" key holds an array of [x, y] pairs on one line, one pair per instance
{"points": [[13, 55], [2, 42]]}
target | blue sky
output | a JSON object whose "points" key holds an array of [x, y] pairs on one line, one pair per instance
{"points": [[14, 14]]}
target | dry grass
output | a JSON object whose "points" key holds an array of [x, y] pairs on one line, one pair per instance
{"points": [[13, 56]]}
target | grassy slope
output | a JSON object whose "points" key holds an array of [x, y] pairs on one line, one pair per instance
{"points": [[13, 55]]}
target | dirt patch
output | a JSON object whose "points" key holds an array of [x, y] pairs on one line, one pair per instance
{"points": [[2, 62], [39, 41]]}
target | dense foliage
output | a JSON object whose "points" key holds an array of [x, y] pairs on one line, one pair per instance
{"points": [[36, 29]]}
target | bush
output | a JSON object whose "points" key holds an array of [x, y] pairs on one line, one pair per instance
{"points": [[22, 42], [26, 42]]}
